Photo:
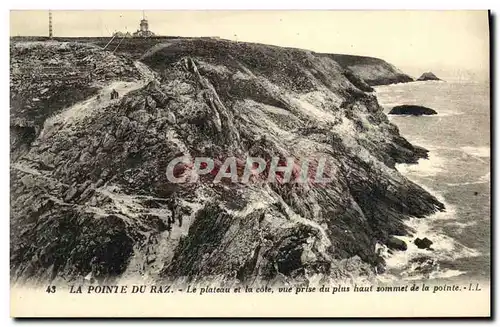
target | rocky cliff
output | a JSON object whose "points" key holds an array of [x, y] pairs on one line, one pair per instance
{"points": [[89, 191], [373, 71]]}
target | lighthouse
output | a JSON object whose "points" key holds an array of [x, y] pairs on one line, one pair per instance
{"points": [[143, 30], [144, 24]]}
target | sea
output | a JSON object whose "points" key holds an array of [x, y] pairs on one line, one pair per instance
{"points": [[457, 173]]}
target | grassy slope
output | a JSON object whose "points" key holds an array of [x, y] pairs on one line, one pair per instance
{"points": [[135, 48]]}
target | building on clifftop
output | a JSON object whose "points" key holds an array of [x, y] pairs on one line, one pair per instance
{"points": [[143, 30], [122, 34]]}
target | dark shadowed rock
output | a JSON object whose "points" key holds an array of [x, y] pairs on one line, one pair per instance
{"points": [[412, 110], [424, 243], [396, 244], [428, 76]]}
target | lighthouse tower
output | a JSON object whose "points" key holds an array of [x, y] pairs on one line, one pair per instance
{"points": [[143, 30], [144, 24]]}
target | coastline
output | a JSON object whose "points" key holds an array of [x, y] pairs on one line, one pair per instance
{"points": [[369, 197], [458, 256]]}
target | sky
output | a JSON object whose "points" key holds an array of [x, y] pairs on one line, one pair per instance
{"points": [[452, 44]]}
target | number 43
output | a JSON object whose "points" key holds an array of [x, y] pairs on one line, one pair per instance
{"points": [[51, 289]]}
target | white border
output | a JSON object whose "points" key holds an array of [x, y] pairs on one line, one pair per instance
{"points": [[197, 4], [258, 4]]}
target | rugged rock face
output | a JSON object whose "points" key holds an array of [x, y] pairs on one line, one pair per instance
{"points": [[373, 71], [47, 77], [428, 77], [412, 110], [89, 191]]}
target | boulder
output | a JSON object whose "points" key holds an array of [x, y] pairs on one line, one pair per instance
{"points": [[396, 244], [424, 243], [424, 265], [412, 110], [109, 141], [122, 127], [150, 102], [70, 194], [171, 118]]}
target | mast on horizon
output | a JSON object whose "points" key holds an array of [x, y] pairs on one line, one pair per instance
{"points": [[50, 24]]}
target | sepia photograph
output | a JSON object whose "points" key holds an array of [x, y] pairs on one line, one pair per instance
{"points": [[304, 161]]}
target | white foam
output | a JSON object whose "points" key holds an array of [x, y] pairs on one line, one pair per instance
{"points": [[480, 151], [444, 248], [444, 113], [437, 273], [399, 263], [462, 226], [425, 167]]}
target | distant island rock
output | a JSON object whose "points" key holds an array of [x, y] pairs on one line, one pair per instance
{"points": [[412, 110], [429, 76]]}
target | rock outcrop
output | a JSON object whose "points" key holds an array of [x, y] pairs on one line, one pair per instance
{"points": [[412, 110], [423, 243], [396, 244], [89, 191], [428, 76], [373, 71]]}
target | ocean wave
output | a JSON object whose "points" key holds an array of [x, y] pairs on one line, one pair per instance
{"points": [[444, 165], [447, 113], [425, 167], [479, 151], [416, 263], [481, 180], [415, 273], [461, 226]]}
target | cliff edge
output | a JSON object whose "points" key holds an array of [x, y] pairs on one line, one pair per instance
{"points": [[373, 71], [89, 193]]}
